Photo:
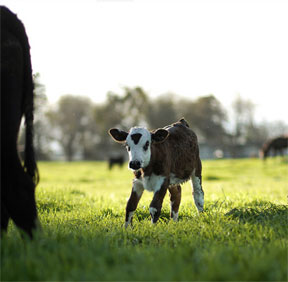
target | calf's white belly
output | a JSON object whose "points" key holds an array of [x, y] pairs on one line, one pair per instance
{"points": [[153, 182]]}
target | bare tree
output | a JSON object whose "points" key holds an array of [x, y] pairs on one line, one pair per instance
{"points": [[72, 123], [161, 111], [125, 111], [41, 135], [243, 120], [207, 117]]}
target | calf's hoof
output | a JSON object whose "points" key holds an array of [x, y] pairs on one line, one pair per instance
{"points": [[155, 214]]}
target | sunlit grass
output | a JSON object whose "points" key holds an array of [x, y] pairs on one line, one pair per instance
{"points": [[242, 235]]}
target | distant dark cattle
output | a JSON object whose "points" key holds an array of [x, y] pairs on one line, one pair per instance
{"points": [[274, 146], [116, 161], [17, 181]]}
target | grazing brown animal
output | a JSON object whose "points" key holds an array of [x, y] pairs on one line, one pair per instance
{"points": [[162, 160], [17, 182], [274, 146]]}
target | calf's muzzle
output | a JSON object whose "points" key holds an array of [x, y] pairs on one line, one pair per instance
{"points": [[135, 165]]}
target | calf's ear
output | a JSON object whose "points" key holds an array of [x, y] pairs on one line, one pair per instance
{"points": [[159, 135], [118, 135]]}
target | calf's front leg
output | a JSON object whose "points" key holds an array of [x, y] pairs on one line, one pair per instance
{"points": [[156, 204], [136, 193]]}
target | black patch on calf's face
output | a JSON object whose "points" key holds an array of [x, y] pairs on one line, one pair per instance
{"points": [[145, 147], [136, 137]]}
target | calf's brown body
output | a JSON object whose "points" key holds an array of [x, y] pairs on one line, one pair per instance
{"points": [[173, 160]]}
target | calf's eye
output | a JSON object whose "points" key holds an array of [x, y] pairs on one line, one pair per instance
{"points": [[145, 147]]}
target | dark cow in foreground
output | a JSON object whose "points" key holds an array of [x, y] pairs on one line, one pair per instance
{"points": [[17, 182], [274, 146], [162, 159], [116, 161]]}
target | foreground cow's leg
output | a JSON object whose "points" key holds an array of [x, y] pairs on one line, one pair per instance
{"points": [[137, 191], [156, 204], [18, 195], [198, 192], [175, 199]]}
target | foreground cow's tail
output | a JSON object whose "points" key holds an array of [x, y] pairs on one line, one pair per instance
{"points": [[15, 27], [30, 165]]}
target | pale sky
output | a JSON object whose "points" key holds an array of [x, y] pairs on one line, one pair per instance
{"points": [[191, 48]]}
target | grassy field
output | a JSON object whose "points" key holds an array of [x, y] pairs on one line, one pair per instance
{"points": [[241, 236]]}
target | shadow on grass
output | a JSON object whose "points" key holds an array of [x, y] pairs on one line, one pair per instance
{"points": [[142, 214], [261, 212], [77, 192], [214, 178]]}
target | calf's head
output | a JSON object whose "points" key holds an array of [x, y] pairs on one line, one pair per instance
{"points": [[138, 142]]}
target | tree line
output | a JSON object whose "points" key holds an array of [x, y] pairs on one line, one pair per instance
{"points": [[76, 127]]}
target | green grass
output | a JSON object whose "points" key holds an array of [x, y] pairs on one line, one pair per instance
{"points": [[241, 236]]}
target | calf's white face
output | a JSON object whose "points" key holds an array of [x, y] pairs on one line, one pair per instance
{"points": [[138, 144]]}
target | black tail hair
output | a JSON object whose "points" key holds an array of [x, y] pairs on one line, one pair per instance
{"points": [[30, 165], [17, 28]]}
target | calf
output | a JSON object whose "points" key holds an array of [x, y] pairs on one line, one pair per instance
{"points": [[162, 159]]}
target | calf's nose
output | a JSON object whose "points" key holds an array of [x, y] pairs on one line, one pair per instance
{"points": [[134, 165]]}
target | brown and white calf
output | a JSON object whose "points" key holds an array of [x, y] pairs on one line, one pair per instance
{"points": [[162, 159]]}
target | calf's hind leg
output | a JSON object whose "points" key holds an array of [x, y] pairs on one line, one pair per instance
{"points": [[175, 199], [198, 193]]}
